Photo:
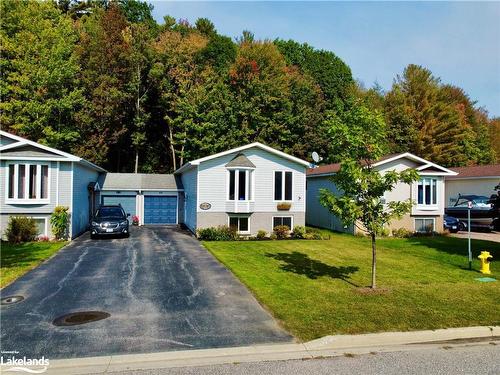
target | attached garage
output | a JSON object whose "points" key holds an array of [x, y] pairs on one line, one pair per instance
{"points": [[159, 209], [155, 198]]}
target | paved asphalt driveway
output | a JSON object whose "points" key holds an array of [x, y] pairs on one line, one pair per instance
{"points": [[162, 289]]}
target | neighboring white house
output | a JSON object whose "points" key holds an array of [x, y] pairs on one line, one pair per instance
{"points": [[243, 187], [477, 180], [34, 179], [428, 194]]}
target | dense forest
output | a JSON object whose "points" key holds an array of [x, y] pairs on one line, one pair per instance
{"points": [[105, 81]]}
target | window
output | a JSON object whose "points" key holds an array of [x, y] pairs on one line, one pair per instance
{"points": [[283, 183], [28, 182], [240, 223], [427, 192], [425, 225], [40, 226], [282, 220], [240, 185]]}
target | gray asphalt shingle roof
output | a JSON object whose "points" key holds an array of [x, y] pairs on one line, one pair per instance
{"points": [[240, 160], [139, 181]]}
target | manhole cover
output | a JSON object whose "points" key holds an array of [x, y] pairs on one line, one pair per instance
{"points": [[11, 299], [80, 317]]}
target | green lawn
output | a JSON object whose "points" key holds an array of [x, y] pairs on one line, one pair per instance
{"points": [[16, 260], [312, 286]]}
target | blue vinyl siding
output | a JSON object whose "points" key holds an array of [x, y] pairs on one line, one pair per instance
{"points": [[160, 210]]}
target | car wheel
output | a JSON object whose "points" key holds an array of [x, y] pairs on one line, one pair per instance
{"points": [[462, 226]]}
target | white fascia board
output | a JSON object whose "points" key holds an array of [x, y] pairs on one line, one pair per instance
{"points": [[26, 142], [246, 147], [427, 163]]}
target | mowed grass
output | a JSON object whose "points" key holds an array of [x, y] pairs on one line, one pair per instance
{"points": [[313, 287], [16, 260]]}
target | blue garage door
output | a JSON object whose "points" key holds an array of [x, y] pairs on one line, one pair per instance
{"points": [[127, 202], [160, 209]]}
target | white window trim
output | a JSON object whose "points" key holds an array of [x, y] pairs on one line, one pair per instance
{"points": [[237, 170], [283, 186], [45, 219], [290, 216], [27, 200], [239, 216], [431, 206], [424, 218]]}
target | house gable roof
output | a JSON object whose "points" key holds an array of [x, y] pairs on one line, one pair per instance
{"points": [[271, 150], [139, 181], [17, 148], [426, 167]]}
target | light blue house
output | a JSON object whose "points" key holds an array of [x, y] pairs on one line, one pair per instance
{"points": [[36, 178], [252, 187]]}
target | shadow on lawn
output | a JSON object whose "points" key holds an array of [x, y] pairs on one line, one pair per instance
{"points": [[301, 264], [458, 246]]}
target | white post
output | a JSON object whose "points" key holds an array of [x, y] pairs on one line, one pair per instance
{"points": [[469, 206]]}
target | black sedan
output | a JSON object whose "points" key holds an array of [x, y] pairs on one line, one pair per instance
{"points": [[452, 224], [109, 220]]}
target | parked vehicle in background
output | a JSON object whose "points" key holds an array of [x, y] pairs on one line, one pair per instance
{"points": [[109, 220], [451, 224], [483, 214]]}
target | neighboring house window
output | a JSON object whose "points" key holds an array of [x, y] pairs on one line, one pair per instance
{"points": [[427, 192], [240, 223], [425, 225], [240, 185], [283, 183], [28, 182], [282, 220]]}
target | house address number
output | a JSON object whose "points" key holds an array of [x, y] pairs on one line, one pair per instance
{"points": [[205, 206]]}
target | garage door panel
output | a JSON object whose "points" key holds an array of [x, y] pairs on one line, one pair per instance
{"points": [[126, 201], [160, 210]]}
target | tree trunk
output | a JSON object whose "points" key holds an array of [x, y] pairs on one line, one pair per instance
{"points": [[136, 161], [374, 262]]}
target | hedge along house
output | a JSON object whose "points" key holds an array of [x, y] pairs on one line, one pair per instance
{"points": [[428, 194], [34, 179], [253, 187], [154, 198]]}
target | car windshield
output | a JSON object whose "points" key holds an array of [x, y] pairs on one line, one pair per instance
{"points": [[110, 212]]}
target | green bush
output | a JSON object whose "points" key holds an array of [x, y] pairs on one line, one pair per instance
{"points": [[402, 233], [314, 236], [299, 232], [220, 233], [261, 234], [21, 229], [59, 221], [281, 231], [384, 232], [273, 236]]}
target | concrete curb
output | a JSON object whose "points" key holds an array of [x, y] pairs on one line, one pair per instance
{"points": [[327, 346]]}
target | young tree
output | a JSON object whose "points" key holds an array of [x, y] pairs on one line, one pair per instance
{"points": [[359, 136]]}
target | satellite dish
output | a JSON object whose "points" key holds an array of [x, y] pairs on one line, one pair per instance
{"points": [[316, 157]]}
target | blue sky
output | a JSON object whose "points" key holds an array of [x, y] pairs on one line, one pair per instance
{"points": [[457, 41]]}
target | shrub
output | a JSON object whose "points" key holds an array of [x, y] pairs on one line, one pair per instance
{"points": [[220, 233], [314, 236], [273, 236], [281, 231], [43, 238], [21, 229], [299, 232], [59, 221], [402, 233], [261, 234], [384, 232]]}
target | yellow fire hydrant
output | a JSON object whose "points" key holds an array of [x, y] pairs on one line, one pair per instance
{"points": [[485, 259]]}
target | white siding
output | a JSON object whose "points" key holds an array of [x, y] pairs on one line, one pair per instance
{"points": [[317, 215], [213, 184], [190, 183]]}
